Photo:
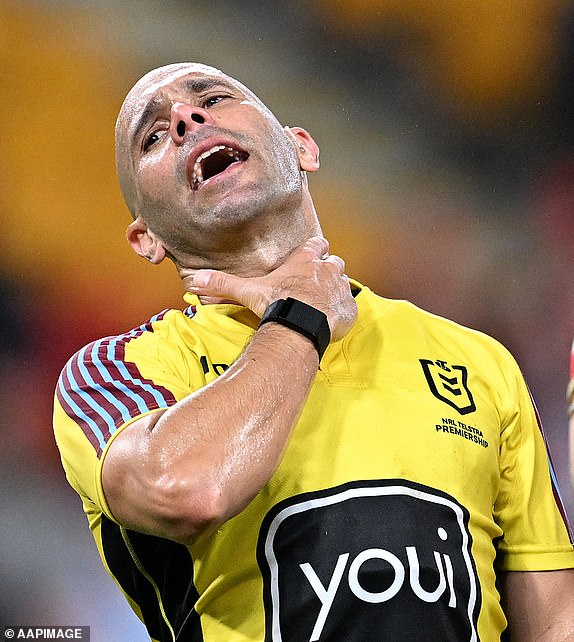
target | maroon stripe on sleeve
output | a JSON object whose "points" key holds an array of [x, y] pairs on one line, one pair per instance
{"points": [[101, 391], [86, 428]]}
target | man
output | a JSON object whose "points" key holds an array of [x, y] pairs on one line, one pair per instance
{"points": [[293, 457]]}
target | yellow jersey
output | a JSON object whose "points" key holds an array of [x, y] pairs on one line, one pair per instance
{"points": [[416, 471]]}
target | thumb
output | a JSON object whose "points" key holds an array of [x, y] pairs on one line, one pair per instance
{"points": [[218, 284], [208, 281]]}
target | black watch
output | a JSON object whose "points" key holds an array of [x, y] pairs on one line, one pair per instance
{"points": [[303, 318]]}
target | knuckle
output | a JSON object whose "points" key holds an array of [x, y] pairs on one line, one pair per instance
{"points": [[217, 280], [317, 244]]}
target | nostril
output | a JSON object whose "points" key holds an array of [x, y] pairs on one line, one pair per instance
{"points": [[198, 118], [181, 128]]}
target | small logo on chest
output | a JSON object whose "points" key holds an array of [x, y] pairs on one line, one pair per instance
{"points": [[449, 384]]}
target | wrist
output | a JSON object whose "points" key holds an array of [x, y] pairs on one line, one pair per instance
{"points": [[302, 318]]}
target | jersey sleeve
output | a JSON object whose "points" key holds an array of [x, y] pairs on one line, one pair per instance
{"points": [[103, 388], [528, 508]]}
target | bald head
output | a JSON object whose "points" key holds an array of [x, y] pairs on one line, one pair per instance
{"points": [[143, 98], [207, 170]]}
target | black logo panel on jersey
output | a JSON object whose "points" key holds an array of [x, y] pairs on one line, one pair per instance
{"points": [[369, 561], [449, 384]]}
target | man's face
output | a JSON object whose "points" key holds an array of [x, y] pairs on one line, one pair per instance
{"points": [[198, 151]]}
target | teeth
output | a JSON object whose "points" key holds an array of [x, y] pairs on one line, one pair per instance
{"points": [[198, 172]]}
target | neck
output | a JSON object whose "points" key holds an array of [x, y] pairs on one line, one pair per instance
{"points": [[252, 251]]}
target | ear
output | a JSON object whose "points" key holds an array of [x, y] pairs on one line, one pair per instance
{"points": [[306, 148], [144, 242]]}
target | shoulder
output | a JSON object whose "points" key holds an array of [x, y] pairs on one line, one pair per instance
{"points": [[158, 330], [405, 321], [116, 378]]}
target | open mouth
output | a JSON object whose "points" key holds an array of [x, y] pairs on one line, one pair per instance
{"points": [[214, 161]]}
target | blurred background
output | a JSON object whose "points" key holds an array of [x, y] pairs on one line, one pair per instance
{"points": [[447, 138]]}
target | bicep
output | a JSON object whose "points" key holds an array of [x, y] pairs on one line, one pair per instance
{"points": [[130, 478], [539, 605]]}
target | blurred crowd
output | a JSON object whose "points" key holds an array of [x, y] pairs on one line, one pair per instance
{"points": [[447, 146]]}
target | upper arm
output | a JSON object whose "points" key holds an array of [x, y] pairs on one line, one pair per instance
{"points": [[535, 553], [108, 397], [136, 482], [539, 606], [528, 507]]}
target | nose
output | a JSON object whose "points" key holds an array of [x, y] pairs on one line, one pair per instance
{"points": [[187, 118]]}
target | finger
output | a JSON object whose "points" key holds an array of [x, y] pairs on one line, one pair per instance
{"points": [[337, 261], [318, 246], [213, 283], [216, 283], [202, 279]]}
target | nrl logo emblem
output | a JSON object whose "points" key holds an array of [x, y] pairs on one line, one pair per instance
{"points": [[449, 384]]}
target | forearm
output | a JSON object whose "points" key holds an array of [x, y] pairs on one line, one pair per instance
{"points": [[229, 436], [203, 460]]}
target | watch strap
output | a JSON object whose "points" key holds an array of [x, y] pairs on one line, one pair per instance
{"points": [[301, 317]]}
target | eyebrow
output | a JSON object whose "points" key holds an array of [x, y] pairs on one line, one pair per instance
{"points": [[197, 85], [189, 85]]}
